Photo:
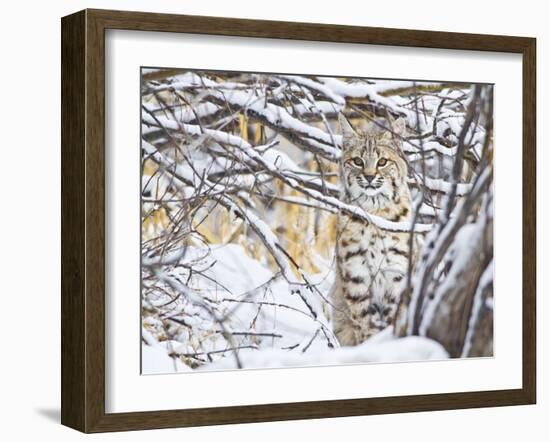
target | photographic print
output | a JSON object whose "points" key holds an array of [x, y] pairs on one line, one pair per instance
{"points": [[293, 220]]}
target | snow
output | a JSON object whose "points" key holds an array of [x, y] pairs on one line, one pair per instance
{"points": [[281, 310], [311, 84], [440, 185], [408, 349], [155, 360], [283, 315], [273, 114], [337, 91]]}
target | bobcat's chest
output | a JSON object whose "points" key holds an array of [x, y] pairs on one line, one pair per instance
{"points": [[371, 263]]}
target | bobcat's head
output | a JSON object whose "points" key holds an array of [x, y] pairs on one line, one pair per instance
{"points": [[372, 169]]}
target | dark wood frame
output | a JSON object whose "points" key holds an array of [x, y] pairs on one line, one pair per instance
{"points": [[83, 217]]}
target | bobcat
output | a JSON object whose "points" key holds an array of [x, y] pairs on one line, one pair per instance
{"points": [[371, 263]]}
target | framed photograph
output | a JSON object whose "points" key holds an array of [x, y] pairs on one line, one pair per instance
{"points": [[269, 220]]}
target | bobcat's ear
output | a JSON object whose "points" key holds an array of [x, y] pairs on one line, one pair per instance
{"points": [[347, 131], [399, 126]]}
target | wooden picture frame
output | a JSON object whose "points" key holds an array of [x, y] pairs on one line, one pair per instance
{"points": [[83, 220]]}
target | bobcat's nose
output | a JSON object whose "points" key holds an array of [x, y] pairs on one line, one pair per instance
{"points": [[369, 178]]}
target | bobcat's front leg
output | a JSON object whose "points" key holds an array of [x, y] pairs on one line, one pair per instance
{"points": [[363, 318]]}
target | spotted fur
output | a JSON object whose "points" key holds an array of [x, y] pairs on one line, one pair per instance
{"points": [[370, 263]]}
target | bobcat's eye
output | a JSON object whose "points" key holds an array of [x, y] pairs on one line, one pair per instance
{"points": [[382, 162], [357, 162]]}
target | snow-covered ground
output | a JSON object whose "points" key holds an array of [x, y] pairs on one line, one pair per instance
{"points": [[278, 327]]}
